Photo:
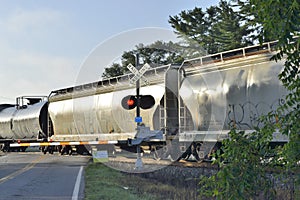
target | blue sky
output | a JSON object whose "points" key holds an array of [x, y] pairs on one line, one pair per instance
{"points": [[43, 44]]}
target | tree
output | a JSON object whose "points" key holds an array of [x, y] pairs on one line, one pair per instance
{"points": [[243, 172], [114, 70], [193, 27], [218, 29], [281, 19], [156, 54], [278, 19], [249, 17], [228, 31]]}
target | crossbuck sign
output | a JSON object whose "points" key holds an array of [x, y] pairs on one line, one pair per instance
{"points": [[138, 74]]}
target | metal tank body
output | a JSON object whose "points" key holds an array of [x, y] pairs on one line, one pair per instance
{"points": [[229, 93], [94, 112], [30, 122], [6, 115]]}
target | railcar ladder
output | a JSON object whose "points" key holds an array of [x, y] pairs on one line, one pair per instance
{"points": [[185, 119], [162, 117], [182, 117]]}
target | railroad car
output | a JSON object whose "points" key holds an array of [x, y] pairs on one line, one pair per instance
{"points": [[26, 121], [195, 105]]}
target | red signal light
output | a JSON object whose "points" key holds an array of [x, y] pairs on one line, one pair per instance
{"points": [[130, 102]]}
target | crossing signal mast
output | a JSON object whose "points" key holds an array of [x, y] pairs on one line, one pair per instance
{"points": [[139, 102]]}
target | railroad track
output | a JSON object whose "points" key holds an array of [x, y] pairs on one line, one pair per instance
{"points": [[127, 164], [130, 158]]}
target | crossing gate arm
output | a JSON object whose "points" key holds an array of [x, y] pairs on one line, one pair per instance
{"points": [[41, 144]]}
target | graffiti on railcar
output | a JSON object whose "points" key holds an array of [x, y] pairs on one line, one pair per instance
{"points": [[248, 115]]}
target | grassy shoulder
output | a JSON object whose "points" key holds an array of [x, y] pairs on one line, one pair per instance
{"points": [[103, 182]]}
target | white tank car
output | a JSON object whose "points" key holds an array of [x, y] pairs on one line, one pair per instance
{"points": [[6, 113], [30, 122], [23, 122], [93, 111]]}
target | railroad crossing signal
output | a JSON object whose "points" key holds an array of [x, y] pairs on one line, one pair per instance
{"points": [[138, 101], [138, 74], [130, 102]]}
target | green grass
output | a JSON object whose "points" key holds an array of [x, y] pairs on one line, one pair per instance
{"points": [[103, 182]]}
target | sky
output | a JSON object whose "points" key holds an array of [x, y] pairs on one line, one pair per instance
{"points": [[48, 45]]}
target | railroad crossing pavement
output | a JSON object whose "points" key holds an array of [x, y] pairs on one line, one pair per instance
{"points": [[32, 175]]}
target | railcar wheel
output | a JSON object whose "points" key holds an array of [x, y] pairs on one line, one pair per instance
{"points": [[3, 147], [161, 152], [170, 152], [198, 152], [81, 150], [6, 148], [23, 149], [51, 149], [204, 151], [66, 149], [157, 153]]}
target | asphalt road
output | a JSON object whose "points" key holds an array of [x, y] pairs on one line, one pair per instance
{"points": [[33, 175]]}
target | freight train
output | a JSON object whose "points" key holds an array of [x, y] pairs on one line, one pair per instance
{"points": [[191, 109]]}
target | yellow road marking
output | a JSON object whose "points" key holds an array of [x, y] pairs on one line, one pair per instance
{"points": [[20, 171]]}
